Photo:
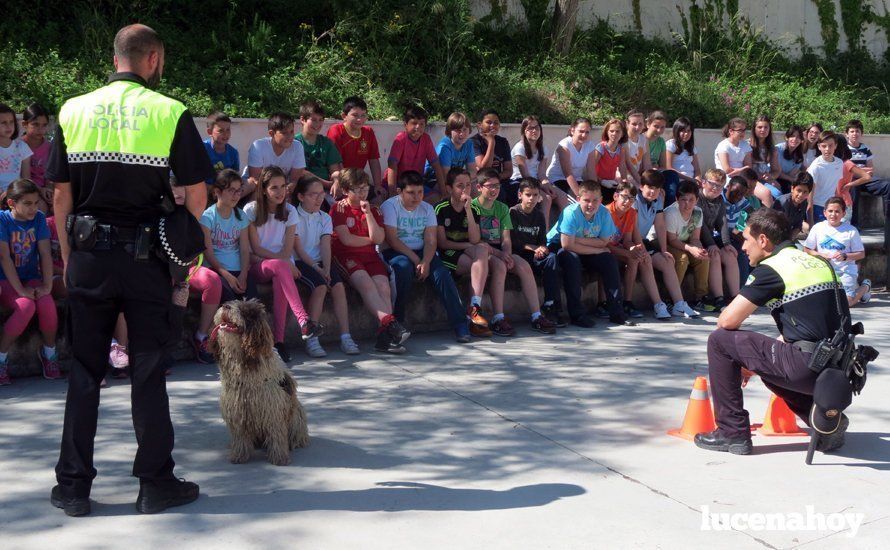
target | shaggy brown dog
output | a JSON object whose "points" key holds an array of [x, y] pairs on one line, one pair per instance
{"points": [[259, 396]]}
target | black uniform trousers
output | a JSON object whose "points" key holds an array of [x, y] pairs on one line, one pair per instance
{"points": [[102, 283], [781, 366]]}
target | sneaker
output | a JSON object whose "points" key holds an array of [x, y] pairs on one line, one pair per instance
{"points": [[462, 334], [5, 380], [631, 311], [682, 309], [867, 296], [311, 330], [73, 506], [716, 441], [543, 325], [384, 344], [157, 496], [552, 314], [602, 310], [706, 303], [480, 331], [478, 323], [282, 351], [661, 311], [397, 332], [51, 370], [584, 321], [118, 357], [834, 441], [202, 355], [502, 327], [719, 303], [348, 345], [314, 349]]}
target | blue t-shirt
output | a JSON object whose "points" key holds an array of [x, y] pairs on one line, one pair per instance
{"points": [[572, 222], [225, 235], [229, 159], [22, 238], [449, 157]]}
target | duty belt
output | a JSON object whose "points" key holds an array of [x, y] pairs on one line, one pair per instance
{"points": [[805, 346]]}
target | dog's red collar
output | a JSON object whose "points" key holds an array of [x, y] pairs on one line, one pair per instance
{"points": [[225, 327]]}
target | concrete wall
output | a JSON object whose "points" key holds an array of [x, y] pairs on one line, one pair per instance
{"points": [[245, 131], [785, 22]]}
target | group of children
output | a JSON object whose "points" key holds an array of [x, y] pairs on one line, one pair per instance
{"points": [[319, 211]]}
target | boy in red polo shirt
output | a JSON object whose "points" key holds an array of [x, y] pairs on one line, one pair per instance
{"points": [[357, 144], [413, 150]]}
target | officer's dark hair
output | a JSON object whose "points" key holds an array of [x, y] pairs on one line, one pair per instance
{"points": [[415, 113], [487, 174], [838, 201], [310, 108], [34, 111], [770, 222], [804, 179], [135, 42], [19, 188], [279, 121], [687, 188], [409, 177], [351, 178], [454, 173], [217, 116], [224, 179], [352, 102], [4, 108], [652, 178], [262, 212], [529, 183]]}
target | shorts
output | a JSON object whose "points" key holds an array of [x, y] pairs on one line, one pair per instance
{"points": [[369, 262], [312, 279], [849, 282], [450, 258]]}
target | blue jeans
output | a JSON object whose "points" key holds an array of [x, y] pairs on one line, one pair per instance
{"points": [[671, 184], [404, 272], [744, 266], [606, 266]]}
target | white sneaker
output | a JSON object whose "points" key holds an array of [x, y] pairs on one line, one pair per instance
{"points": [[661, 311], [867, 296], [314, 349], [348, 345], [682, 309]]}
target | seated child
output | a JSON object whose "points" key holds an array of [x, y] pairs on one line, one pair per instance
{"points": [[839, 242], [759, 195], [357, 145], [458, 240], [863, 158], [683, 221], [650, 222], [492, 150], [35, 121], [455, 150], [312, 251], [582, 234], [529, 240], [271, 233], [610, 158], [410, 225], [413, 149], [358, 228], [627, 247], [280, 150], [26, 280], [796, 206], [222, 155], [530, 160], [739, 205], [714, 231], [322, 157]]}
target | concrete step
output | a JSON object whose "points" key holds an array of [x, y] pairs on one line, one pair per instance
{"points": [[871, 211]]}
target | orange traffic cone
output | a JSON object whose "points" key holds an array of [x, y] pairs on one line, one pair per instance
{"points": [[699, 415], [779, 419]]}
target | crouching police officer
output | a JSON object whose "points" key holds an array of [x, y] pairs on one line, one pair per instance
{"points": [[803, 296], [111, 159]]}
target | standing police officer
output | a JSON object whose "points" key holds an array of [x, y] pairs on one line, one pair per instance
{"points": [[111, 161], [803, 295]]}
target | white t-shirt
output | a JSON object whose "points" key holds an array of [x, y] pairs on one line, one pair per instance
{"points": [[636, 150], [674, 222], [271, 233], [736, 154], [843, 238], [531, 164], [826, 176], [682, 161], [261, 155], [409, 225], [311, 228], [11, 162], [578, 159]]}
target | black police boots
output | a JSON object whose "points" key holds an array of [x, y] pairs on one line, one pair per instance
{"points": [[73, 506], [157, 496], [715, 441]]}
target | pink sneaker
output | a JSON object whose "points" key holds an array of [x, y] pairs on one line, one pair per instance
{"points": [[117, 357], [51, 370]]}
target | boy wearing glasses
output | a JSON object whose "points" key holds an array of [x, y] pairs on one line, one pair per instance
{"points": [[714, 231], [627, 247], [494, 226]]}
